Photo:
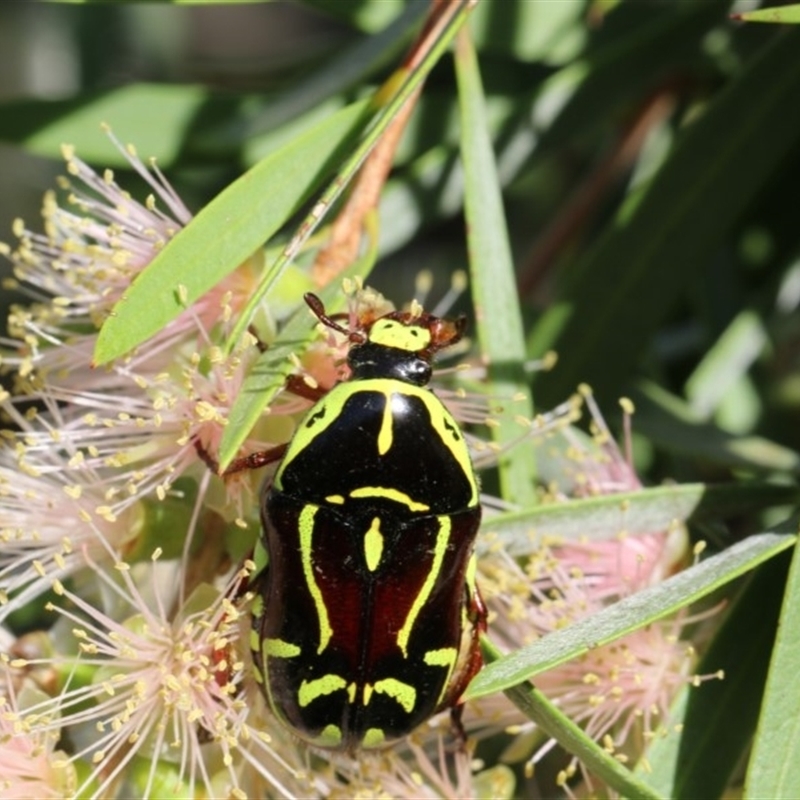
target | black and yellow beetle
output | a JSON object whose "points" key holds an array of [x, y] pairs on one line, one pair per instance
{"points": [[367, 617]]}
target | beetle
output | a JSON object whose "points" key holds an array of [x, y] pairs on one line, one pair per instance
{"points": [[366, 618]]}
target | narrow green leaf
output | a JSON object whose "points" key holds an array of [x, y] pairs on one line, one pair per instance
{"points": [[269, 373], [537, 707], [340, 74], [717, 719], [605, 316], [642, 511], [228, 230], [775, 766], [390, 98], [780, 14], [629, 614], [493, 282], [43, 126], [726, 361], [668, 421]]}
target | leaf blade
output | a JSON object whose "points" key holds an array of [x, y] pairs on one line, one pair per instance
{"points": [[775, 766], [494, 290], [228, 230], [622, 289], [643, 511], [628, 614], [780, 14]]}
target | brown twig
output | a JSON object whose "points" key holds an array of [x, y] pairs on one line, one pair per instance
{"points": [[587, 196], [347, 229]]}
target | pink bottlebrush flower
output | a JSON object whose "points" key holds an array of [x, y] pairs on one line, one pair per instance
{"points": [[163, 685], [138, 424], [620, 693], [47, 525], [30, 763]]}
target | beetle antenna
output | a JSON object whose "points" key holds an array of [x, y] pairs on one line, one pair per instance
{"points": [[317, 307]]}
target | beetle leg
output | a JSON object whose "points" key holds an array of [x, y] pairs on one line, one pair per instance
{"points": [[297, 385], [260, 345], [252, 461], [478, 611], [256, 460], [457, 725]]}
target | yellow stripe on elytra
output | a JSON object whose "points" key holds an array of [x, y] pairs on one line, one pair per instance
{"points": [[328, 410], [373, 545], [319, 687], [306, 527], [443, 657], [440, 548], [388, 494], [373, 737], [279, 648], [447, 428], [386, 433], [330, 736], [404, 693]]}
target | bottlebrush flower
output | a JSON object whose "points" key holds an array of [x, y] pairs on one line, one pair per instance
{"points": [[156, 691], [107, 505], [137, 425], [30, 763], [619, 693]]}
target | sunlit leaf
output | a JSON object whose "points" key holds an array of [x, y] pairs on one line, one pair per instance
{"points": [[780, 14], [494, 291], [644, 511], [228, 230], [629, 614], [775, 765]]}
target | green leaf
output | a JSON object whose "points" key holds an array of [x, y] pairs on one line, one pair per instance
{"points": [[553, 722], [269, 373], [44, 125], [629, 614], [494, 289], [668, 421], [228, 230], [642, 511], [775, 765], [780, 14], [717, 719], [390, 98], [637, 46], [604, 318], [726, 362], [548, 32]]}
